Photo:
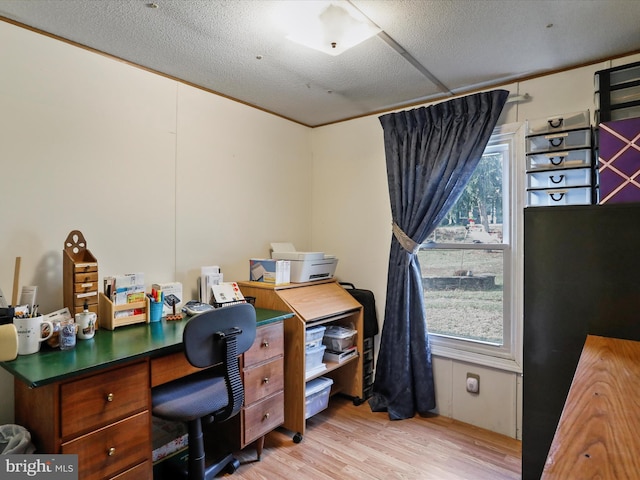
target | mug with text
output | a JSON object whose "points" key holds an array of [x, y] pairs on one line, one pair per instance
{"points": [[30, 333]]}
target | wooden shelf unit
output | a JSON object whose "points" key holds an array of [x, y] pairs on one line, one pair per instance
{"points": [[313, 303], [108, 311], [79, 275]]}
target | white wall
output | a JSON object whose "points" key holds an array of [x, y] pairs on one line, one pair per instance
{"points": [[159, 177]]}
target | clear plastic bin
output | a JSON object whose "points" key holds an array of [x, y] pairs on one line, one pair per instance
{"points": [[567, 159], [550, 198], [313, 357], [338, 338], [313, 337], [559, 141], [317, 395], [578, 177], [619, 75], [568, 121]]}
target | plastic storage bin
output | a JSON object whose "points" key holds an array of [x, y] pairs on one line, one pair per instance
{"points": [[569, 121], [559, 141], [618, 75], [313, 357], [622, 95], [317, 395], [568, 196], [578, 177], [624, 113], [566, 159], [313, 337], [338, 338]]}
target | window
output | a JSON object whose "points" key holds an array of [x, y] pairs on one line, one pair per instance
{"points": [[470, 267]]}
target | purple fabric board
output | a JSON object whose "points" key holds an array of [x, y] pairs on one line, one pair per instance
{"points": [[619, 161]]}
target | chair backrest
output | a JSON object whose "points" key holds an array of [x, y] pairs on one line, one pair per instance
{"points": [[201, 339]]}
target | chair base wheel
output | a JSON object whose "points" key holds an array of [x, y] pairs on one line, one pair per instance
{"points": [[232, 466]]}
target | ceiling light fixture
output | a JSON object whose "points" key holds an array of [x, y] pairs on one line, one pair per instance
{"points": [[331, 27]]}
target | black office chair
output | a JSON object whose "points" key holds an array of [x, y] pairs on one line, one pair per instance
{"points": [[215, 337]]}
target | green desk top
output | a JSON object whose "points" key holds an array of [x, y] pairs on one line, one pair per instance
{"points": [[109, 347]]}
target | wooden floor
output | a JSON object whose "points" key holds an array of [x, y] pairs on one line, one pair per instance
{"points": [[348, 442]]}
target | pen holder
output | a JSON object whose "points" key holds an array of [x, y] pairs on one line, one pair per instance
{"points": [[155, 311]]}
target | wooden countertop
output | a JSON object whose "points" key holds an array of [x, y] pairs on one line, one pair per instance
{"points": [[597, 436]]}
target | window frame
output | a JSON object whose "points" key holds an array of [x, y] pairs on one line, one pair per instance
{"points": [[509, 355]]}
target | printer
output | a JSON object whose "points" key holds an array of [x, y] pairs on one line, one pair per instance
{"points": [[305, 266]]}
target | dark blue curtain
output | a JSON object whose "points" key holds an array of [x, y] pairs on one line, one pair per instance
{"points": [[431, 153]]}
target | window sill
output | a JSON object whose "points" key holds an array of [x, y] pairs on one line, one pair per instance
{"points": [[508, 365]]}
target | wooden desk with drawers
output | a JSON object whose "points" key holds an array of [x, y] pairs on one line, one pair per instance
{"points": [[95, 400]]}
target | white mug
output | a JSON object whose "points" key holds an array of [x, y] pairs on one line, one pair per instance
{"points": [[86, 324], [30, 333]]}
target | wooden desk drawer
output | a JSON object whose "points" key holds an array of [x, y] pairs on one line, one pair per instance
{"points": [[107, 451], [85, 267], [269, 343], [100, 399], [84, 287], [262, 417], [85, 277], [263, 380], [170, 367]]}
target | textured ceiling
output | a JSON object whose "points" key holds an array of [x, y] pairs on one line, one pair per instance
{"points": [[235, 47]]}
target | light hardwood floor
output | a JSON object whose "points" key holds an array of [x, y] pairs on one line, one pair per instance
{"points": [[352, 442]]}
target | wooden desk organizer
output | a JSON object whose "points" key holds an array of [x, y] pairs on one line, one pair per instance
{"points": [[80, 274], [108, 310]]}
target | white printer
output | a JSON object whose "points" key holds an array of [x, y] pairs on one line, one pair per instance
{"points": [[305, 266]]}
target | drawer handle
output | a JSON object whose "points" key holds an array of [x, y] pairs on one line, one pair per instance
{"points": [[265, 380], [558, 162], [110, 397], [265, 343], [111, 452], [553, 179], [556, 142], [555, 123], [266, 416], [556, 197]]}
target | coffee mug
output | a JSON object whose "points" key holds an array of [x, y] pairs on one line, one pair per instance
{"points": [[86, 324], [30, 333]]}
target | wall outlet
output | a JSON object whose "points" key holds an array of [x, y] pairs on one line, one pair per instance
{"points": [[473, 383]]}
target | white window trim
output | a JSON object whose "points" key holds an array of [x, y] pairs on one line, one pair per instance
{"points": [[508, 359]]}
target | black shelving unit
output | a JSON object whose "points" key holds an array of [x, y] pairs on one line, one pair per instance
{"points": [[618, 93]]}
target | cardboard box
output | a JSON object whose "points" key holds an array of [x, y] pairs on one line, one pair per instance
{"points": [[277, 272], [170, 288]]}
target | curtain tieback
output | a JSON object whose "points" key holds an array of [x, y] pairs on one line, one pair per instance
{"points": [[407, 243]]}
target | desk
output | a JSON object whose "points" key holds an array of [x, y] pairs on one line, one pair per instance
{"points": [[597, 436], [95, 400]]}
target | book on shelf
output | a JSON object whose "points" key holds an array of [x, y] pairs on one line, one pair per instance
{"points": [[339, 357]]}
